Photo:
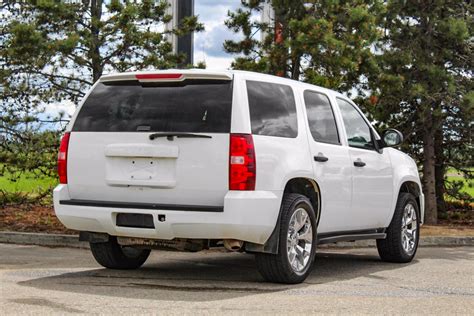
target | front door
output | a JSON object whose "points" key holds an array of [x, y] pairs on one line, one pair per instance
{"points": [[372, 179]]}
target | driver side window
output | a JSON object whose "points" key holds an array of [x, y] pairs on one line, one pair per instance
{"points": [[357, 130]]}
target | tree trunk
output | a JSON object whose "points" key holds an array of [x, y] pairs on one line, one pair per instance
{"points": [[94, 49], [440, 170], [429, 180], [279, 63]]}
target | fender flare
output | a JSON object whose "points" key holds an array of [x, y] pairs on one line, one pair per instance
{"points": [[272, 244]]}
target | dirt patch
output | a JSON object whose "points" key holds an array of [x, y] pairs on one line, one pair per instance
{"points": [[31, 218], [445, 230]]}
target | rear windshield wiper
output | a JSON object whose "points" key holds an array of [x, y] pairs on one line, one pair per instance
{"points": [[170, 136]]}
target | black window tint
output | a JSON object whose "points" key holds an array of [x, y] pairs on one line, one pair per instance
{"points": [[128, 106], [322, 123], [272, 109], [358, 132]]}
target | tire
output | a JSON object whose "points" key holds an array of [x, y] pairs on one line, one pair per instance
{"points": [[113, 256], [399, 245], [277, 267]]}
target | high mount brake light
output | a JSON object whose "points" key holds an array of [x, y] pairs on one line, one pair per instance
{"points": [[62, 158], [159, 76], [242, 164]]}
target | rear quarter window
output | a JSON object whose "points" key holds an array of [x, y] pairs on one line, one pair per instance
{"points": [[193, 107], [272, 109], [321, 120]]}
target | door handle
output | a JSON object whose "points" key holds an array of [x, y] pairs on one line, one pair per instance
{"points": [[359, 163], [321, 158]]}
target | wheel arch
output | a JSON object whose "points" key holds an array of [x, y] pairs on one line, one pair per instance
{"points": [[413, 187], [302, 185], [307, 187], [408, 184]]}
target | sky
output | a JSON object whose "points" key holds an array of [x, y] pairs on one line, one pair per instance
{"points": [[208, 44]]}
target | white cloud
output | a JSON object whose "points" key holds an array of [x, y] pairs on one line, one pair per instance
{"points": [[213, 62], [208, 45], [53, 109]]}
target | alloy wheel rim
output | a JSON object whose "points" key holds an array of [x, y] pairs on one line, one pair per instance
{"points": [[409, 228], [299, 240]]}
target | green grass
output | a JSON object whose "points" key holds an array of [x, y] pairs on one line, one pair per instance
{"points": [[468, 185], [27, 183]]}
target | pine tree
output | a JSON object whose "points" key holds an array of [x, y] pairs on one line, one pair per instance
{"points": [[425, 86], [327, 43], [54, 51]]}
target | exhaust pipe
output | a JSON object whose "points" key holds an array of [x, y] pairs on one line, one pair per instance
{"points": [[233, 244]]}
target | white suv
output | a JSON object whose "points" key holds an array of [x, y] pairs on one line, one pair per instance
{"points": [[192, 159]]}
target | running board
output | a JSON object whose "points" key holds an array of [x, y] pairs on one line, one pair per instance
{"points": [[351, 236]]}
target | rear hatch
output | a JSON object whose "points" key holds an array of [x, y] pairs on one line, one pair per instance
{"points": [[153, 138]]}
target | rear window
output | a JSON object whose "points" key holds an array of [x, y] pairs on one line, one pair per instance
{"points": [[272, 109], [193, 107]]}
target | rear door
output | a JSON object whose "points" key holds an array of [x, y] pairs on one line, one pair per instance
{"points": [[153, 138], [331, 163]]}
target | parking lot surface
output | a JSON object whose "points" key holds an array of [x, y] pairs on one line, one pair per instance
{"points": [[38, 280]]}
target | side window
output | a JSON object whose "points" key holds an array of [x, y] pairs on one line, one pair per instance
{"points": [[322, 123], [358, 132], [272, 109]]}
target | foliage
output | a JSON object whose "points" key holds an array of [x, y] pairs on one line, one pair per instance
{"points": [[327, 43], [61, 48], [41, 197], [460, 189], [425, 86]]}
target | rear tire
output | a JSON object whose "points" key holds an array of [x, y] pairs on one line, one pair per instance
{"points": [[111, 255], [403, 235], [297, 243]]}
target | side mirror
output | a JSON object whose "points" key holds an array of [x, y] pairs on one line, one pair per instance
{"points": [[392, 138]]}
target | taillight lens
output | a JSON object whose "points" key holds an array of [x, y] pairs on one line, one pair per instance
{"points": [[165, 76], [62, 159], [242, 166]]}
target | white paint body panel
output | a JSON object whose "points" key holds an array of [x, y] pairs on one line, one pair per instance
{"points": [[404, 170], [128, 167], [372, 189], [246, 217], [189, 170]]}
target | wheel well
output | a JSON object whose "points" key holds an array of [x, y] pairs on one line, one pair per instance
{"points": [[413, 188], [304, 186], [308, 188]]}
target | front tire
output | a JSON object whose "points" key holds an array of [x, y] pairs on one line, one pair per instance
{"points": [[111, 255], [401, 242], [297, 243]]}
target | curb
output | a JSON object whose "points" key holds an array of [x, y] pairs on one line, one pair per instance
{"points": [[42, 239], [72, 241]]}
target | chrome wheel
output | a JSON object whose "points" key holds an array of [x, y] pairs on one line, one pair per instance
{"points": [[409, 228], [300, 240]]}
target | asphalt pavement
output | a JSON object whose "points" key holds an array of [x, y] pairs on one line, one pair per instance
{"points": [[39, 280]]}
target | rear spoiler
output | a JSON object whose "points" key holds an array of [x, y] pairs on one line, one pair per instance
{"points": [[165, 76]]}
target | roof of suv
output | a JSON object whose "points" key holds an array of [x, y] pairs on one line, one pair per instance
{"points": [[196, 73]]}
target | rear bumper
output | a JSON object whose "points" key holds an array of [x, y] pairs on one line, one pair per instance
{"points": [[247, 215]]}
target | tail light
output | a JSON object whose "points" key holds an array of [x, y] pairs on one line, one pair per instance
{"points": [[62, 159], [164, 76], [242, 165]]}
